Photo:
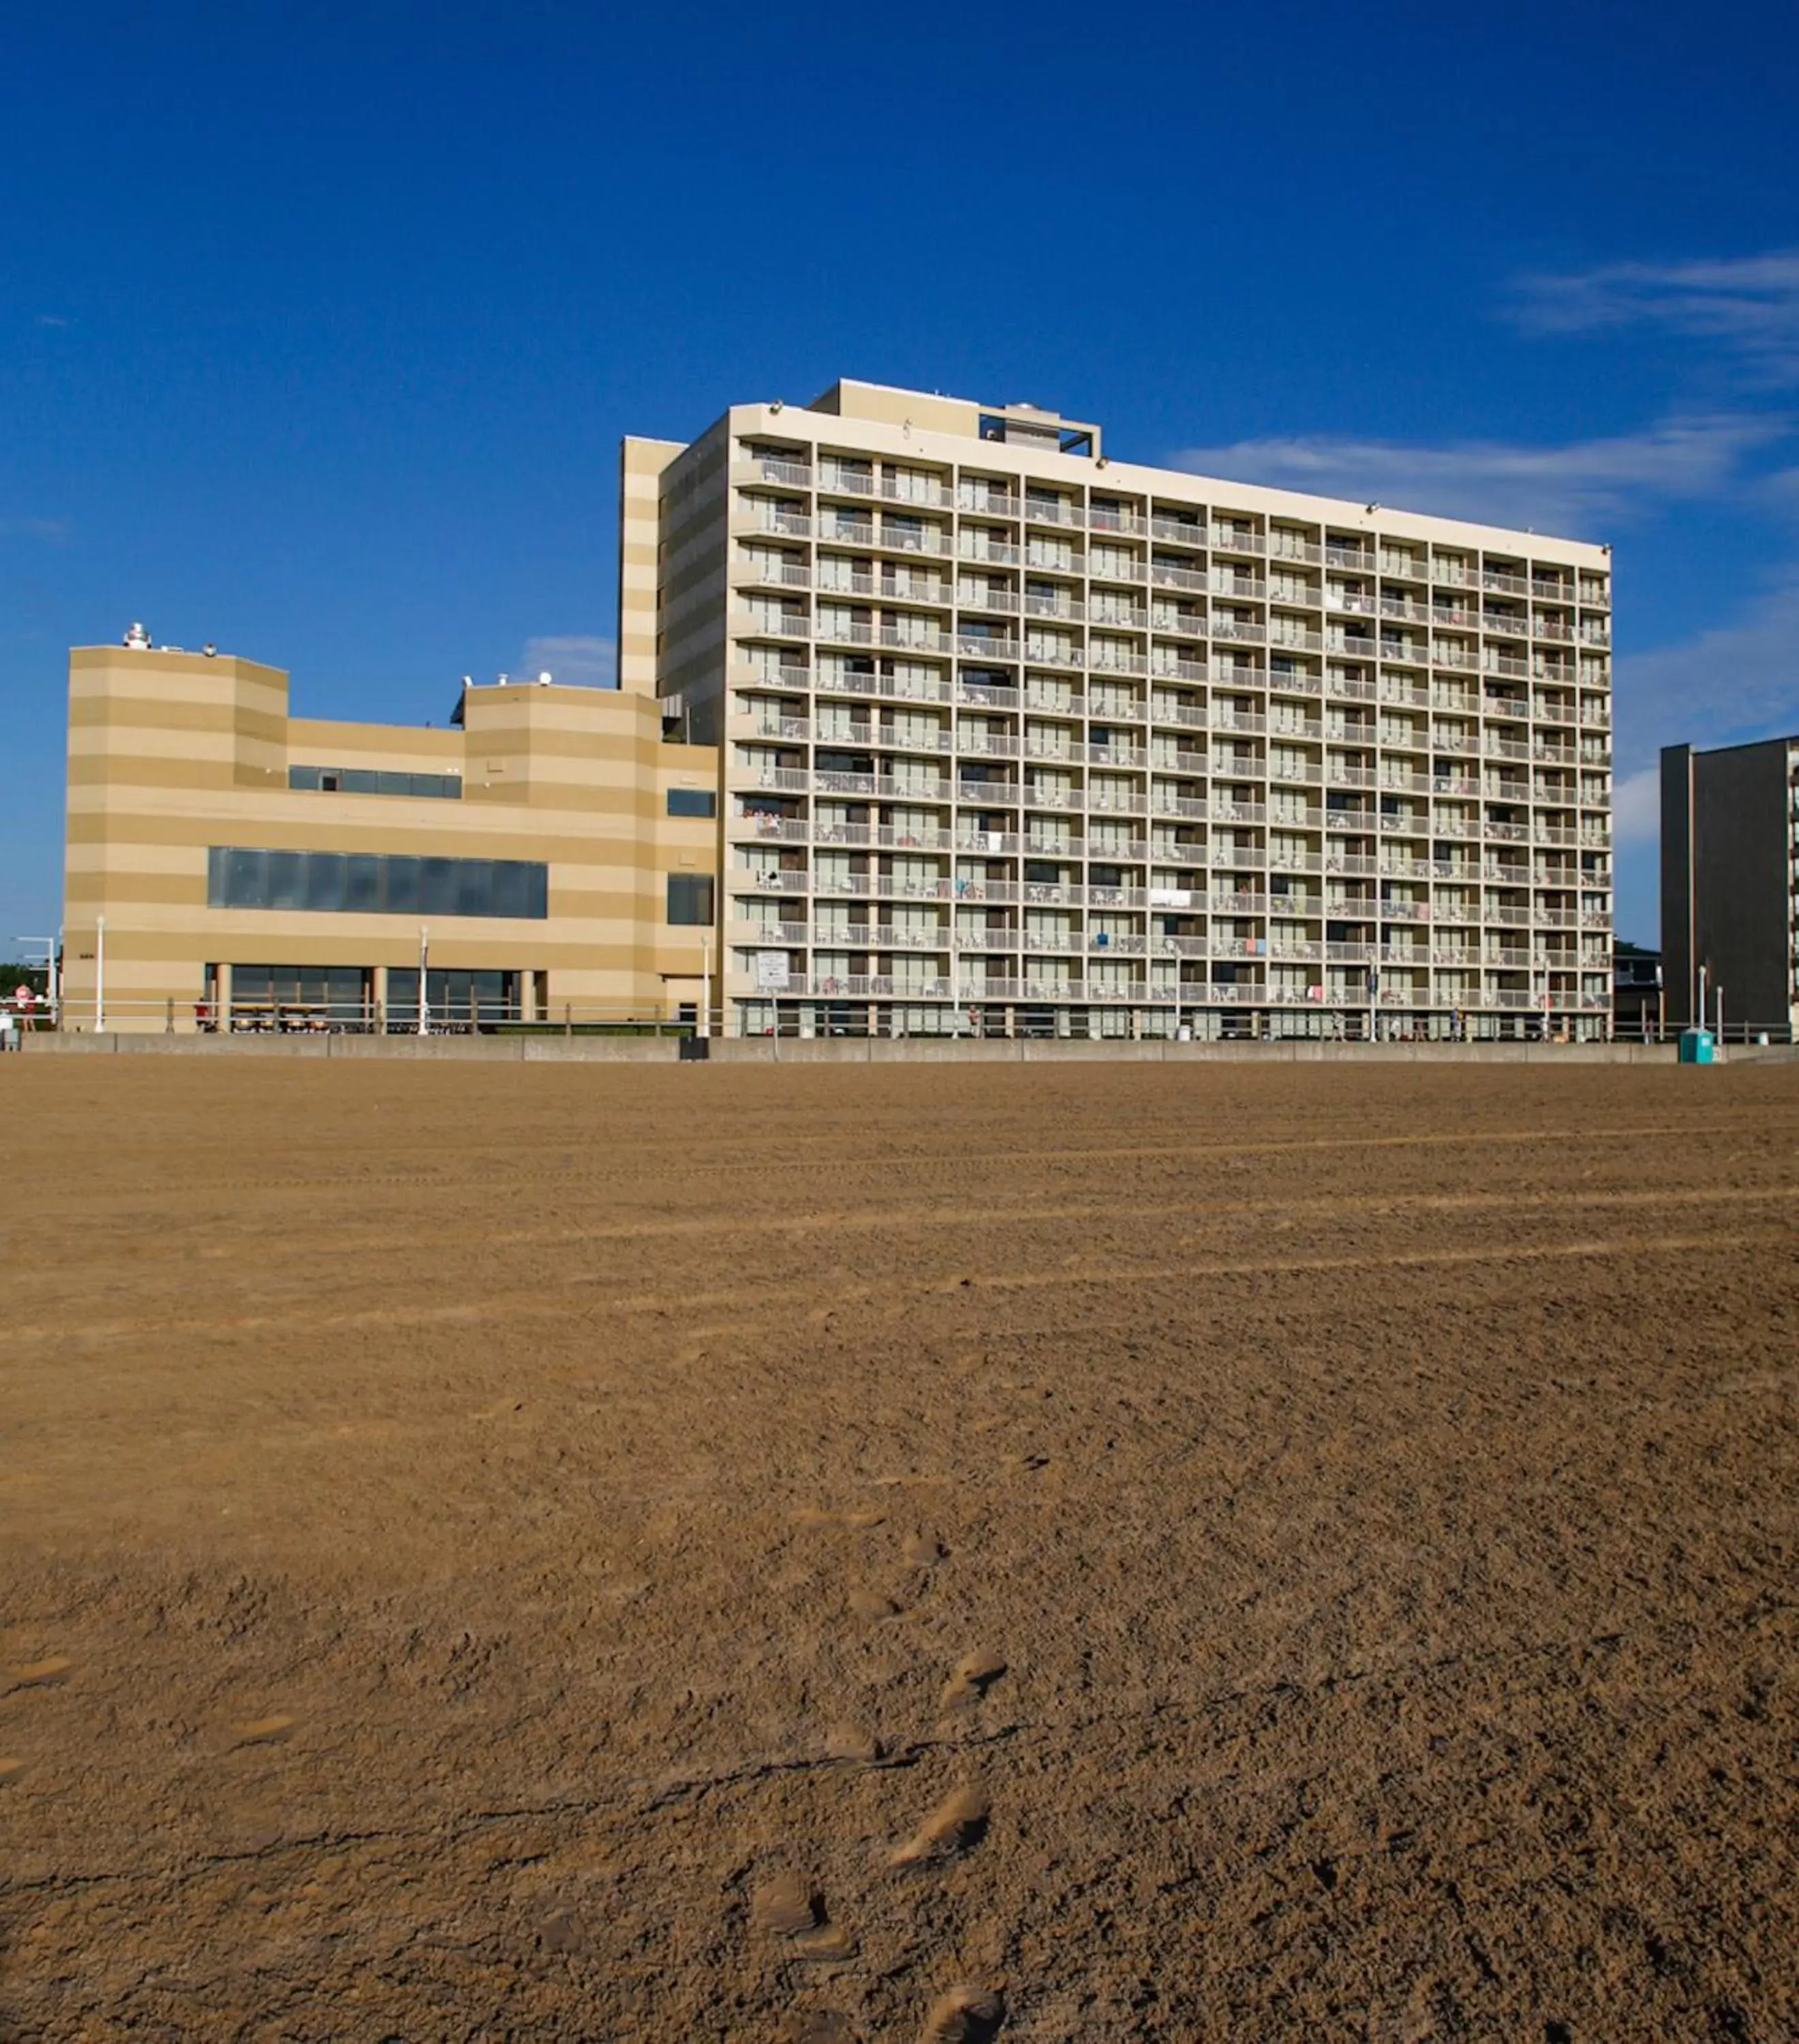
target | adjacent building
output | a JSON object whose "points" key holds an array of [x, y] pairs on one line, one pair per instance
{"points": [[545, 857], [1019, 738], [1730, 884], [932, 718]]}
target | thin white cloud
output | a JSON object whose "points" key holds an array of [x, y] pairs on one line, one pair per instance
{"points": [[584, 660], [1725, 686], [1636, 807], [53, 319], [1745, 305], [1580, 488], [52, 530]]}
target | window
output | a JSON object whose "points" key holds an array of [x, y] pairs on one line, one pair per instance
{"points": [[692, 802], [690, 899], [344, 990], [362, 781], [366, 883]]}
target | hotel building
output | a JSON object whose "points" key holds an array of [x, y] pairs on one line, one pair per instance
{"points": [[1015, 736], [931, 718]]}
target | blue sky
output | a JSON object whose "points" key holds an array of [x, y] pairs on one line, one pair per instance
{"points": [[319, 326]]}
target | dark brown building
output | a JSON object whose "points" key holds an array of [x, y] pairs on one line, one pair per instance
{"points": [[1730, 884]]}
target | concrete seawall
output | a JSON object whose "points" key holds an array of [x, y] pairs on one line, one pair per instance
{"points": [[821, 1051]]}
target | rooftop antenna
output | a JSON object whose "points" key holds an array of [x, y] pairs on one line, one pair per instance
{"points": [[137, 639], [504, 679], [210, 650]]}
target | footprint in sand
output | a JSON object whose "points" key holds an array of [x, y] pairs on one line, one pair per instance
{"points": [[789, 1907], [852, 1742], [784, 1906], [812, 1515], [10, 1768], [871, 1605], [265, 1731], [922, 1551], [957, 1824], [964, 2015], [816, 2025], [970, 1681], [43, 1674]]}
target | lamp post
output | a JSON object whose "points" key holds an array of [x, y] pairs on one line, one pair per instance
{"points": [[424, 969], [99, 975]]}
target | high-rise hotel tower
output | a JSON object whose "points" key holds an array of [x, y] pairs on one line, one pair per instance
{"points": [[1015, 736]]}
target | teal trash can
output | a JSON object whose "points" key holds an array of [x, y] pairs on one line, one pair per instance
{"points": [[1698, 1046]]}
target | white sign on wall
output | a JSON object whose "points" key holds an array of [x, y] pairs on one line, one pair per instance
{"points": [[770, 972]]}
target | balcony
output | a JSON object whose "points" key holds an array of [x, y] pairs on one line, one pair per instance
{"points": [[969, 546], [1054, 606], [752, 624], [886, 539], [1230, 540], [986, 695], [784, 474], [1503, 583], [832, 681], [1164, 577], [1101, 519], [1119, 660], [862, 986], [752, 517], [1046, 511], [1164, 669], [1177, 531], [973, 647], [771, 574]]}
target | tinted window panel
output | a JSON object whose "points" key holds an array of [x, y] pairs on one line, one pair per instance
{"points": [[369, 781], [362, 883], [400, 895], [365, 883], [286, 883], [692, 802], [324, 880]]}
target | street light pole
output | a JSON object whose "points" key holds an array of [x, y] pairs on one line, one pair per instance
{"points": [[99, 975], [424, 969]]}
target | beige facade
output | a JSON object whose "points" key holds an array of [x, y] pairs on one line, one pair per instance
{"points": [[1015, 736], [229, 864], [976, 728]]}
